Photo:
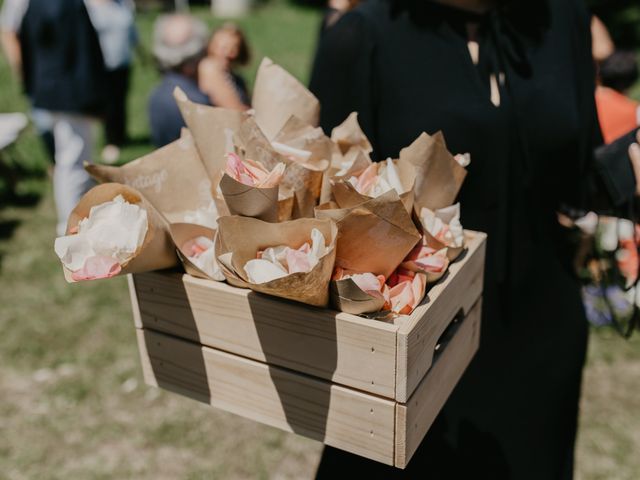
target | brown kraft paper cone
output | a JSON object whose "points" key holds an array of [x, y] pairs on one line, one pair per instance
{"points": [[240, 239], [349, 135], [260, 203], [277, 95], [347, 196], [347, 297], [207, 125], [157, 251], [181, 233], [173, 178], [304, 181], [373, 237], [439, 176]]}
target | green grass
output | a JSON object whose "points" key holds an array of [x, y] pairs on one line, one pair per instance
{"points": [[72, 402]]}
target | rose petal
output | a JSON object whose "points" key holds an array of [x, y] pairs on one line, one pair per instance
{"points": [[97, 267]]}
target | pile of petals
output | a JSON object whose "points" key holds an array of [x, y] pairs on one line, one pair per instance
{"points": [[253, 173], [444, 225], [378, 178], [277, 262], [109, 237], [407, 289], [201, 252], [426, 259]]}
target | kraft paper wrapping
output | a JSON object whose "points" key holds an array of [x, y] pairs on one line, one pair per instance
{"points": [[303, 179], [156, 252], [430, 277], [173, 179], [347, 297], [240, 239], [452, 252], [269, 204], [347, 196], [182, 233], [349, 135], [207, 125], [358, 160], [248, 201], [439, 176], [373, 237], [277, 95]]}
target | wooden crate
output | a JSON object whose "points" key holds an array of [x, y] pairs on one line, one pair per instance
{"points": [[365, 386]]}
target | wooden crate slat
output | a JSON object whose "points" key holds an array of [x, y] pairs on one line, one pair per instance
{"points": [[344, 348], [344, 418], [416, 416], [419, 333]]}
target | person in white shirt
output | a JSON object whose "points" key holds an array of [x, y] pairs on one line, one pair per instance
{"points": [[54, 48]]}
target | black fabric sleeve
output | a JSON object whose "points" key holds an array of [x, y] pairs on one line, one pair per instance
{"points": [[342, 74]]}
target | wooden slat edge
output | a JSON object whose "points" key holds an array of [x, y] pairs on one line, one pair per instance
{"points": [[416, 338], [414, 418], [135, 307], [349, 350], [344, 418]]}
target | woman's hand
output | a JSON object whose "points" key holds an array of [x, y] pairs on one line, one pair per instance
{"points": [[634, 156]]}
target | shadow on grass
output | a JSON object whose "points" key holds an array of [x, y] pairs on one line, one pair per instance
{"points": [[7, 227]]}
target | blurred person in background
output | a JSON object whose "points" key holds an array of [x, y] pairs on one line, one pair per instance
{"points": [[11, 17], [179, 43], [114, 22], [617, 71], [227, 49], [57, 51], [618, 114]]}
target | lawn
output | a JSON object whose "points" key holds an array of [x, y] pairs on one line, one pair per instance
{"points": [[72, 401]]}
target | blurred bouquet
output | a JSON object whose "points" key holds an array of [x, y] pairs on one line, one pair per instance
{"points": [[607, 263], [265, 200]]}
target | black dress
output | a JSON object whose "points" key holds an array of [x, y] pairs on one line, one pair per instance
{"points": [[405, 67]]}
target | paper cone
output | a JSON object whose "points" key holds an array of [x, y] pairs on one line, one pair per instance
{"points": [[347, 297], [438, 175], [240, 239], [374, 236], [349, 135], [173, 179], [207, 125], [157, 251], [181, 233], [277, 95], [431, 277], [261, 203], [358, 161], [347, 196], [452, 252], [304, 180]]}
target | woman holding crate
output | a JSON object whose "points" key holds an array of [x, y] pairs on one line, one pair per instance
{"points": [[512, 83]]}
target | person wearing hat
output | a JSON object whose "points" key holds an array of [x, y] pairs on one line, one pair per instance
{"points": [[179, 43]]}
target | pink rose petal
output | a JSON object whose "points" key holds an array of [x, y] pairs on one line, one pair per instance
{"points": [[97, 267]]}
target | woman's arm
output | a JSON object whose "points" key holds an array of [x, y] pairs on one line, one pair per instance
{"points": [[216, 83]]}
